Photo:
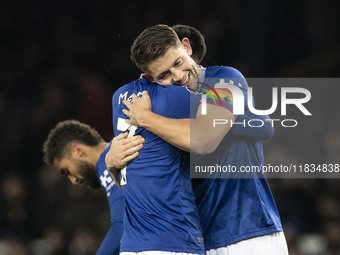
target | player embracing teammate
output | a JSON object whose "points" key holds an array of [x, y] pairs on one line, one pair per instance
{"points": [[237, 215], [164, 211]]}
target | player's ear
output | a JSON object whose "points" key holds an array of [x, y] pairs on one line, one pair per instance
{"points": [[148, 77], [77, 150], [187, 46]]}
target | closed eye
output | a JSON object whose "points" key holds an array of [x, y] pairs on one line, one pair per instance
{"points": [[178, 63], [163, 76]]}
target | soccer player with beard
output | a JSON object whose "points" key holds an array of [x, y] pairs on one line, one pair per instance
{"points": [[238, 215], [78, 151]]}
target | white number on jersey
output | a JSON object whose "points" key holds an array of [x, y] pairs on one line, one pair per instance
{"points": [[123, 126]]}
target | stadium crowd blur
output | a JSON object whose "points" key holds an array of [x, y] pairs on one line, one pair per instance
{"points": [[66, 61]]}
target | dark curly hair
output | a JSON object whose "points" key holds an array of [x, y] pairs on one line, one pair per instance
{"points": [[65, 132]]}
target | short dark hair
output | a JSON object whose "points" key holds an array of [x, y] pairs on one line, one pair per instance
{"points": [[63, 134], [151, 44], [196, 39]]}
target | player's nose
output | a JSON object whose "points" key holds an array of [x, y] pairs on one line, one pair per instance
{"points": [[177, 76]]}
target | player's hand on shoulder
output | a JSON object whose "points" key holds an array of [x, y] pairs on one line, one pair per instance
{"points": [[123, 149], [138, 110]]}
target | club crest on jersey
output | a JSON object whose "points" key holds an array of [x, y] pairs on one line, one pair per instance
{"points": [[106, 181]]}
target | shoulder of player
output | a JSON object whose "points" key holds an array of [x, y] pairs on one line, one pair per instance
{"points": [[174, 88], [136, 86], [224, 72], [101, 166], [128, 86]]}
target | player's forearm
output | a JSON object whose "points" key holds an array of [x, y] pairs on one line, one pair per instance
{"points": [[174, 131], [195, 135], [205, 136]]}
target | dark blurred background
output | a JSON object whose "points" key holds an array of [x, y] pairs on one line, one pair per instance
{"points": [[65, 59]]}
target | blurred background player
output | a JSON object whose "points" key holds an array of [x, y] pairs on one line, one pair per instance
{"points": [[78, 151]]}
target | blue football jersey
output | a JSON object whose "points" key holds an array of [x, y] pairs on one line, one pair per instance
{"points": [[234, 209], [160, 212], [111, 242]]}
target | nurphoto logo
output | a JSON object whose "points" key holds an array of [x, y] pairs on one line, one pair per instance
{"points": [[232, 97]]}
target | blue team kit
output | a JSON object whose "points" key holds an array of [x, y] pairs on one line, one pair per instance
{"points": [[160, 212], [167, 211], [111, 242]]}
